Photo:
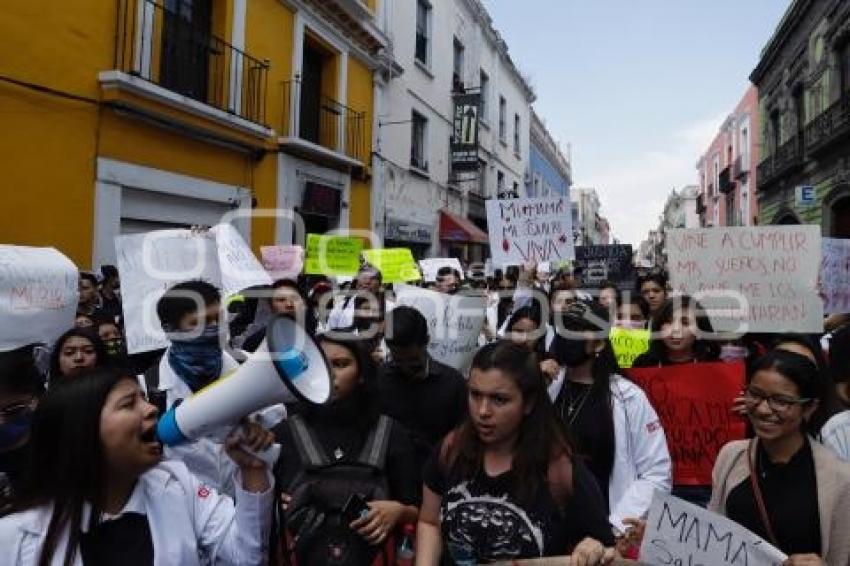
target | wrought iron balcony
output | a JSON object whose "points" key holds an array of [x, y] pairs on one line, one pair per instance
{"points": [[323, 121], [740, 167], [164, 47], [787, 158], [830, 126]]}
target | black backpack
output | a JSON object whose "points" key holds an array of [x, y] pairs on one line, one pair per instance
{"points": [[314, 518]]}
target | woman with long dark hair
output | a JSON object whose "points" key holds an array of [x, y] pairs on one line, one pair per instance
{"points": [[681, 334], [782, 485], [340, 434], [609, 418], [97, 491], [527, 328], [76, 351], [505, 484]]}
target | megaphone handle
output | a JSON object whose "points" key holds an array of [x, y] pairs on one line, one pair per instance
{"points": [[269, 455]]}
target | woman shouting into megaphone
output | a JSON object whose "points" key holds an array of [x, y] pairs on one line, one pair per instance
{"points": [[98, 492]]}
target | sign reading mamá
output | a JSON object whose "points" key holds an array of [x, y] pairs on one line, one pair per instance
{"points": [[530, 230], [465, 132], [678, 532]]}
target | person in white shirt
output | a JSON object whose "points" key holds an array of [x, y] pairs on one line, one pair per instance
{"points": [[610, 418], [369, 281], [98, 492], [189, 313], [835, 434]]}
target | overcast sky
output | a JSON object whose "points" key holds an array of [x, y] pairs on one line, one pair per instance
{"points": [[638, 87]]}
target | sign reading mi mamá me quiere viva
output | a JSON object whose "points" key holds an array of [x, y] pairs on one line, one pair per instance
{"points": [[530, 230], [751, 279]]}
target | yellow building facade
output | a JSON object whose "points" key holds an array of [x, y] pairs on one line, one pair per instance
{"points": [[124, 116]]}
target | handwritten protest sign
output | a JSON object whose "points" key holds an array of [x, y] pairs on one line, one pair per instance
{"points": [[694, 404], [431, 266], [606, 263], [751, 279], [332, 255], [454, 323], [38, 295], [395, 264], [628, 344], [283, 262], [835, 275], [530, 230], [151, 263], [238, 265], [679, 533]]}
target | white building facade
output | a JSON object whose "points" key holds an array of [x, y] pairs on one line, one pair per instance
{"points": [[439, 49]]}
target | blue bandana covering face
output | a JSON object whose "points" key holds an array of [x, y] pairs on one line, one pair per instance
{"points": [[197, 360]]}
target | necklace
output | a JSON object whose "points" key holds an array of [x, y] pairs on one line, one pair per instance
{"points": [[573, 405]]}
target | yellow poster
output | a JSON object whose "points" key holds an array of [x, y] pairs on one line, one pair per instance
{"points": [[332, 255], [629, 344], [395, 264]]}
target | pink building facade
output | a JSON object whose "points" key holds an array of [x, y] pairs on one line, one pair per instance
{"points": [[727, 170]]}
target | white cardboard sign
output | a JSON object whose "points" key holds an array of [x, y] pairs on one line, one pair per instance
{"points": [[151, 263], [678, 532], [238, 265], [39, 292], [530, 230], [431, 266], [454, 323], [751, 279], [835, 276]]}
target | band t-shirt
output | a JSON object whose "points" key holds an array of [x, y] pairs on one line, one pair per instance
{"points": [[482, 522]]}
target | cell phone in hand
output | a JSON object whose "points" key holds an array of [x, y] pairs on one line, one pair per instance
{"points": [[355, 508]]}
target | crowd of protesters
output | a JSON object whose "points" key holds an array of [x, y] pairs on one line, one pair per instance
{"points": [[544, 447]]}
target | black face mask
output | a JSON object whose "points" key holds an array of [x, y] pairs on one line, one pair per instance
{"points": [[573, 352]]}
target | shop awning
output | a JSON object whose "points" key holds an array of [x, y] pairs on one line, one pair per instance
{"points": [[455, 228]]}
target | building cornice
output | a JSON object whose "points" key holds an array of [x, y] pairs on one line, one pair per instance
{"points": [[792, 18], [362, 35], [483, 19], [543, 138]]}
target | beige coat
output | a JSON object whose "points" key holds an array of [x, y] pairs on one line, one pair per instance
{"points": [[833, 487]]}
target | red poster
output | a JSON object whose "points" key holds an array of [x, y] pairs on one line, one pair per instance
{"points": [[694, 404]]}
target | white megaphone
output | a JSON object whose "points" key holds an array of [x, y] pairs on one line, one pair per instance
{"points": [[288, 366]]}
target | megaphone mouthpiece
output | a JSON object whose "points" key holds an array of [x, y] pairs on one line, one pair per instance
{"points": [[287, 367]]}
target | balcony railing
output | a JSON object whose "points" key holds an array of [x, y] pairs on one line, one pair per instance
{"points": [[163, 47], [830, 126], [740, 167], [725, 182], [323, 121], [784, 160]]}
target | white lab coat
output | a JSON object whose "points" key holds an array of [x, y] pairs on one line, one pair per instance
{"points": [[835, 435], [190, 523], [206, 457], [641, 459]]}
